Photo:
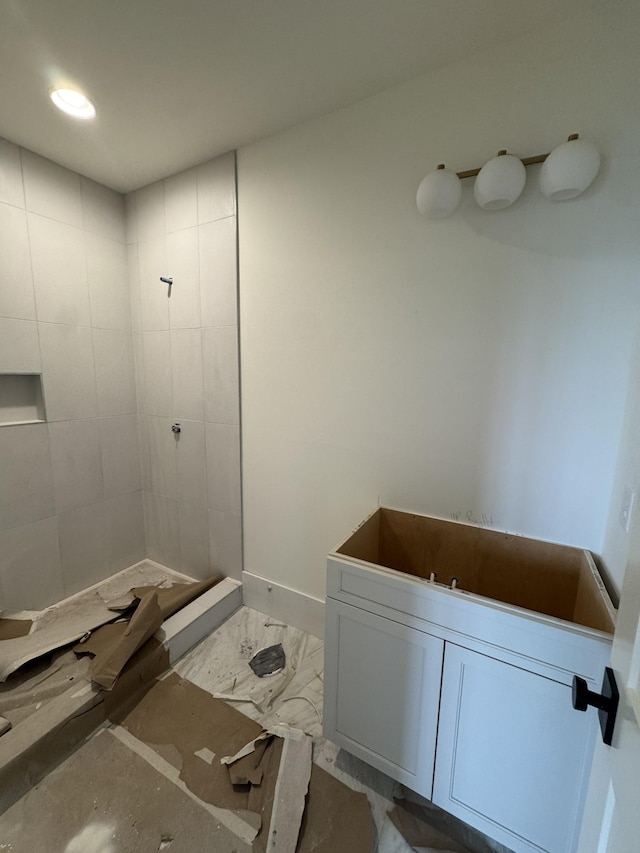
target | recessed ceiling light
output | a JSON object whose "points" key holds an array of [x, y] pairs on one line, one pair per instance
{"points": [[73, 103]]}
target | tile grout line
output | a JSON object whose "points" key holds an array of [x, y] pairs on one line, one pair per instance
{"points": [[42, 383]]}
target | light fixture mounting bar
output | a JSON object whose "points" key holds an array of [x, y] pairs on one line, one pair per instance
{"points": [[565, 173], [526, 161]]}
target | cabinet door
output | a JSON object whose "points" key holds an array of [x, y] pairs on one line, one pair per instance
{"points": [[513, 756], [382, 690]]}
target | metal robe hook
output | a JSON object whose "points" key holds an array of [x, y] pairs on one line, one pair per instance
{"points": [[166, 280]]}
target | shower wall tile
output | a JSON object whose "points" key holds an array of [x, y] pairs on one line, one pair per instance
{"points": [[133, 280], [225, 543], [11, 190], [159, 464], [217, 188], [88, 293], [131, 218], [76, 459], [218, 273], [51, 190], [157, 396], [162, 529], [30, 567], [108, 285], [102, 210], [115, 372], [188, 387], [195, 557], [221, 375], [19, 346], [59, 271], [125, 520], [150, 211], [73, 484], [68, 372], [84, 546], [154, 294], [26, 483], [188, 232], [138, 360], [183, 265], [181, 200], [16, 283], [120, 447], [145, 458], [191, 470], [223, 465]]}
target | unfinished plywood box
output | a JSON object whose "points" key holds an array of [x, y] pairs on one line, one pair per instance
{"points": [[450, 654]]}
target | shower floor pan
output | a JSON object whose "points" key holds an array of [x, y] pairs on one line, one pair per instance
{"points": [[51, 702]]}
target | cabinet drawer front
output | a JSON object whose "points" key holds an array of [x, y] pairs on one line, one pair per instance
{"points": [[382, 691], [493, 628], [513, 756]]}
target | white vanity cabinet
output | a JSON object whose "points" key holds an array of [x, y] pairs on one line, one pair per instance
{"points": [[513, 755], [462, 697], [385, 689]]}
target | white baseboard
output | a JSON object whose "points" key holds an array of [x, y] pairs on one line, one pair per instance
{"points": [[283, 604]]}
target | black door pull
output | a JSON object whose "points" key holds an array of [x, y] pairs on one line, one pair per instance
{"points": [[606, 702]]}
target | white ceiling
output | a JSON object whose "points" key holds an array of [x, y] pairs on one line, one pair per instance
{"points": [[176, 82]]}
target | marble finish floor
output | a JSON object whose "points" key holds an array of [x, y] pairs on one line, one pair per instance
{"points": [[220, 665], [114, 810]]}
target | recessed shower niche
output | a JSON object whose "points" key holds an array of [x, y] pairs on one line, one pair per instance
{"points": [[21, 399]]}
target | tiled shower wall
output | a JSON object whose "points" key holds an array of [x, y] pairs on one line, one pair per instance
{"points": [[186, 345], [76, 270], [71, 509]]}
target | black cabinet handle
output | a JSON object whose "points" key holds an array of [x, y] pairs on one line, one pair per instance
{"points": [[606, 702]]}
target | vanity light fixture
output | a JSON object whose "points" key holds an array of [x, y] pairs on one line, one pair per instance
{"points": [[439, 193], [569, 169], [73, 103], [566, 173], [500, 182]]}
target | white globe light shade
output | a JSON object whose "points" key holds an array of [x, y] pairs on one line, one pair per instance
{"points": [[569, 169], [439, 194], [500, 182]]}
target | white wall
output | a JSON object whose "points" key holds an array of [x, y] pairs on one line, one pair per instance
{"points": [[477, 365], [615, 549]]}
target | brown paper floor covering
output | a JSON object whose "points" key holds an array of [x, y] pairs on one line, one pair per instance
{"points": [[126, 788]]}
